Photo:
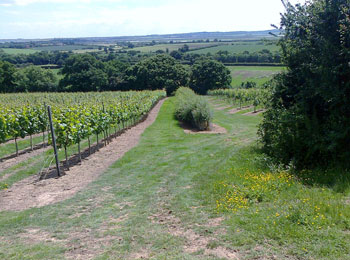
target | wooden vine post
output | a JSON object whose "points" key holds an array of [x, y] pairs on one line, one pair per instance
{"points": [[54, 142]]}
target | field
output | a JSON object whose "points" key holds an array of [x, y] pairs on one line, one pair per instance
{"points": [[74, 48], [65, 48], [257, 74], [239, 47], [175, 46], [186, 196], [18, 51]]}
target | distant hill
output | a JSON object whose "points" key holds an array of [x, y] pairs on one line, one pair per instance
{"points": [[235, 35]]}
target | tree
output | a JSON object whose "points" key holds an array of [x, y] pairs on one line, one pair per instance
{"points": [[35, 79], [185, 48], [83, 72], [7, 77], [176, 55], [209, 74], [308, 122], [157, 72], [115, 70]]}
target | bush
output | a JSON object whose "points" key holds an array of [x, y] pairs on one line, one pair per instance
{"points": [[307, 124], [192, 109]]}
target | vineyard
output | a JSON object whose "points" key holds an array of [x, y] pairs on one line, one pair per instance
{"points": [[76, 116], [256, 97]]}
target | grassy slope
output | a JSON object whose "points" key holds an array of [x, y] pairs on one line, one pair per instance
{"points": [[172, 171]]}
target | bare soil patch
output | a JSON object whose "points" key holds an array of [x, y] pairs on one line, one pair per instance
{"points": [[213, 129], [236, 110], [30, 192], [82, 244], [193, 242], [254, 113], [222, 108]]}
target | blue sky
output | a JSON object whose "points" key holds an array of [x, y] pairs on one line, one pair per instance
{"points": [[78, 18]]}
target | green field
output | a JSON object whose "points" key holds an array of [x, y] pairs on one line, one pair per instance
{"points": [[183, 196], [238, 47], [18, 51], [64, 48], [175, 46], [258, 74]]}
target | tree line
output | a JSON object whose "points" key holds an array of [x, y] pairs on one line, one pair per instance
{"points": [[263, 56], [85, 72]]}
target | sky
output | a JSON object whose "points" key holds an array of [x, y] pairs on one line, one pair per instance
{"points": [[32, 19]]}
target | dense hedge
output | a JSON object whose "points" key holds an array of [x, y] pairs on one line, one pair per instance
{"points": [[192, 109], [308, 122]]}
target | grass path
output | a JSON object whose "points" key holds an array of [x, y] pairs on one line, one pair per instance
{"points": [[159, 202]]}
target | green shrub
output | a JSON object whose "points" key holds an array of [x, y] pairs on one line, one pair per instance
{"points": [[192, 109]]}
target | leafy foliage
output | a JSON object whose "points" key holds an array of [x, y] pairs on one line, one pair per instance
{"points": [[308, 120], [35, 79], [257, 97], [75, 116], [83, 73], [207, 74], [157, 72], [7, 77]]}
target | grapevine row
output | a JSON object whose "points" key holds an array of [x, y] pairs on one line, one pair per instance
{"points": [[253, 96], [75, 116]]}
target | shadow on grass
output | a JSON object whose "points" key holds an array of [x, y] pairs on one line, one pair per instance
{"points": [[21, 152], [336, 178]]}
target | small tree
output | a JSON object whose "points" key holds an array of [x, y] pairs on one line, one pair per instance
{"points": [[207, 74], [7, 77], [157, 72]]}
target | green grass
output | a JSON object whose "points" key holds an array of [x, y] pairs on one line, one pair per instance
{"points": [[177, 178], [239, 47], [10, 148], [64, 48], [258, 74], [175, 46], [18, 51]]}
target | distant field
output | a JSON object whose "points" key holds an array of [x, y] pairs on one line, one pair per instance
{"points": [[258, 74], [18, 51], [175, 46], [238, 47], [64, 48], [86, 50]]}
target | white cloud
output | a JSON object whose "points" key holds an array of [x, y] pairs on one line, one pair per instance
{"points": [[151, 18], [28, 2]]}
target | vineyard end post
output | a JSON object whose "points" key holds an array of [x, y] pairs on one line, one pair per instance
{"points": [[54, 142]]}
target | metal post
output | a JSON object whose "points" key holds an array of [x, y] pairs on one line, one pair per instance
{"points": [[54, 142]]}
